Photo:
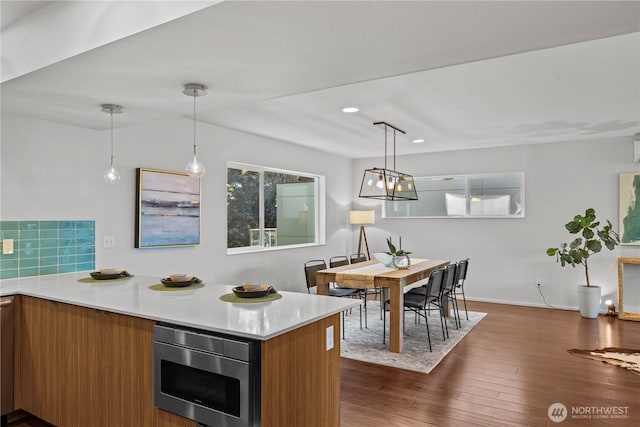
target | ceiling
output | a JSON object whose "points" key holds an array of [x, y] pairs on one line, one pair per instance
{"points": [[459, 75]]}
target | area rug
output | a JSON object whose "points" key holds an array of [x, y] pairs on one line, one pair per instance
{"points": [[366, 344], [621, 357]]}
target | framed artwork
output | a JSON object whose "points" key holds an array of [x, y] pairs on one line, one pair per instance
{"points": [[167, 209], [630, 208], [628, 289]]}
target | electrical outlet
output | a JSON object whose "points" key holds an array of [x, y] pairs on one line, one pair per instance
{"points": [[7, 246], [108, 241], [330, 338]]}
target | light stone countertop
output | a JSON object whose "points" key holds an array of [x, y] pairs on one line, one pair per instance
{"points": [[197, 308]]}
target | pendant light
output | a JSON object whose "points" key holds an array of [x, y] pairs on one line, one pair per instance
{"points": [[111, 175], [195, 166], [388, 184]]}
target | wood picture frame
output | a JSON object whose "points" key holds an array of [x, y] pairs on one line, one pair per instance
{"points": [[628, 291], [167, 208]]}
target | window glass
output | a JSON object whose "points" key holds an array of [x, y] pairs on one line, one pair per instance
{"points": [[243, 207], [480, 195], [269, 208]]}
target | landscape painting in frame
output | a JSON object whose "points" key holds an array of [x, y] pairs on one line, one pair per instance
{"points": [[167, 209], [630, 208]]}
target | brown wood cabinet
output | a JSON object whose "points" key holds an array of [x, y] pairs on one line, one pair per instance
{"points": [[300, 378], [79, 367], [37, 358], [82, 367]]}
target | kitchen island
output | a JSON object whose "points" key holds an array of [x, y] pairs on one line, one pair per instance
{"points": [[84, 350]]}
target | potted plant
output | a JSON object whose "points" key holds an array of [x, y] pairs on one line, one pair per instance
{"points": [[593, 237], [399, 258]]}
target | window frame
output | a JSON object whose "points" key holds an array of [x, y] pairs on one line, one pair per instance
{"points": [[320, 208]]}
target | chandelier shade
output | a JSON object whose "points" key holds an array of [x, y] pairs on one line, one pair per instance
{"points": [[388, 184]]}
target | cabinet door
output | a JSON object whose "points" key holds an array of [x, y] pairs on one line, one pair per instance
{"points": [[126, 379], [80, 367], [80, 336], [38, 350]]}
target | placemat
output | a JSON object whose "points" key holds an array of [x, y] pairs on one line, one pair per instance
{"points": [[92, 280], [233, 298], [163, 288]]}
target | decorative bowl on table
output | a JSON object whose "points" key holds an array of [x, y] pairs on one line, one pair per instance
{"points": [[179, 280], [384, 259], [109, 274], [252, 290]]}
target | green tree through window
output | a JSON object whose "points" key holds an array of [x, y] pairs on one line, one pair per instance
{"points": [[270, 208]]}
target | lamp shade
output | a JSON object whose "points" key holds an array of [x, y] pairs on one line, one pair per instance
{"points": [[362, 217], [386, 184]]}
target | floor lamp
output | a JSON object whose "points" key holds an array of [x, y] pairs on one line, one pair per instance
{"points": [[361, 218]]}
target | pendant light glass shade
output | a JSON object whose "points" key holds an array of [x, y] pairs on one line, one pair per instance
{"points": [[111, 175], [388, 184], [195, 166]]}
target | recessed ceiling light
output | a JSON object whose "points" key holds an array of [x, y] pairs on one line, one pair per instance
{"points": [[350, 110], [418, 141]]}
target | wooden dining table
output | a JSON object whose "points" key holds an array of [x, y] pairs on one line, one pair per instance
{"points": [[372, 274]]}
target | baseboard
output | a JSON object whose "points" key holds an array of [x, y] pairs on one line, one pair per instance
{"points": [[507, 302]]}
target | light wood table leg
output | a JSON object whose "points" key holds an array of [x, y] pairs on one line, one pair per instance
{"points": [[396, 311], [322, 286]]}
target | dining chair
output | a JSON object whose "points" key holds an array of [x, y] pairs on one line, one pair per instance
{"points": [[461, 273], [310, 270], [341, 260], [449, 292], [420, 304], [436, 297]]}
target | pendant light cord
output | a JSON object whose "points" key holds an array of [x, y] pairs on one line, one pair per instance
{"points": [[111, 114], [195, 94], [394, 150], [385, 146]]}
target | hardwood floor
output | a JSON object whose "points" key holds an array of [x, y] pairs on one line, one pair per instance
{"points": [[506, 372]]}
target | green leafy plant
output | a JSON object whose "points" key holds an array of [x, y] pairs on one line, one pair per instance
{"points": [[593, 238], [393, 250]]}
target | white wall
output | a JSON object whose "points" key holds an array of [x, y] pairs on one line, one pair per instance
{"points": [[52, 172], [508, 255]]}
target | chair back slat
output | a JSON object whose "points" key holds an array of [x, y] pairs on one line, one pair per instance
{"points": [[434, 284], [462, 270], [356, 258], [310, 270], [449, 276], [337, 261]]}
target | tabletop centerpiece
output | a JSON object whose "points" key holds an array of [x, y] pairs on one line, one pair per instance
{"points": [[399, 257]]}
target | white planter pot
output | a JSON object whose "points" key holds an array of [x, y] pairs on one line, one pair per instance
{"points": [[589, 301]]}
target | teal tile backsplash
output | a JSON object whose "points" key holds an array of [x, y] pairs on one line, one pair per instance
{"points": [[48, 247]]}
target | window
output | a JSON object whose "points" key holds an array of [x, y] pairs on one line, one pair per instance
{"points": [[270, 208], [463, 196]]}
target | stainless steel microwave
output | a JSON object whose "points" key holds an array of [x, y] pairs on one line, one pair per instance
{"points": [[212, 379]]}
